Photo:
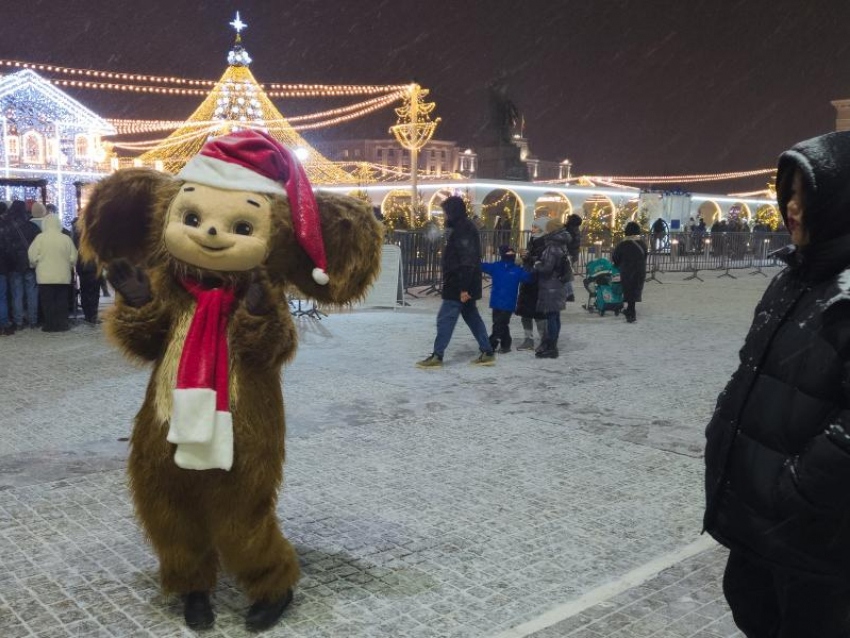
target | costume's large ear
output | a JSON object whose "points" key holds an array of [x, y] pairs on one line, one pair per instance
{"points": [[118, 219], [352, 238]]}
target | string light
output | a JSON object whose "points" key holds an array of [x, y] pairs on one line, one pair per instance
{"points": [[128, 127], [278, 89], [673, 179]]}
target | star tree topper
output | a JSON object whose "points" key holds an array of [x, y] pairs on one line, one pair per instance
{"points": [[239, 26]]}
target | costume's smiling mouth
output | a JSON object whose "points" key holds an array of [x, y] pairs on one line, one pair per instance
{"points": [[212, 249]]}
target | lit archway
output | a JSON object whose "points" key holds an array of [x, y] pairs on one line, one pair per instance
{"points": [[501, 206], [553, 206], [710, 212], [739, 211], [600, 219], [398, 212]]}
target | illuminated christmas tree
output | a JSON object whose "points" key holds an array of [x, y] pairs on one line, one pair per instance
{"points": [[597, 223], [769, 217], [238, 102]]}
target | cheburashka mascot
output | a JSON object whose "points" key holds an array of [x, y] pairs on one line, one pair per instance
{"points": [[200, 263]]}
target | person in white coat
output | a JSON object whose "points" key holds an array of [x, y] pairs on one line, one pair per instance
{"points": [[53, 256]]}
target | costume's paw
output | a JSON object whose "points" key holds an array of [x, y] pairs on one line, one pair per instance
{"points": [[264, 614], [256, 300], [198, 611], [131, 282]]}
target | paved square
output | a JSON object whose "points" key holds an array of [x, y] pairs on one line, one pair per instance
{"points": [[534, 498]]}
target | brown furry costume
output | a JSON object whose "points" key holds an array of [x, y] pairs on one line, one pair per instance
{"points": [[195, 518]]}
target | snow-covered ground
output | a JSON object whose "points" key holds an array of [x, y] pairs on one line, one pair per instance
{"points": [[454, 502]]}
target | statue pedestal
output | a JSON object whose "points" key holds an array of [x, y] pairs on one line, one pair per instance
{"points": [[501, 162]]}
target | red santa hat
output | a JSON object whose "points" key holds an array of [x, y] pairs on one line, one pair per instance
{"points": [[254, 161]]}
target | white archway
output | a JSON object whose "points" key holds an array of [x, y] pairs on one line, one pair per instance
{"points": [[710, 212], [501, 204], [554, 206]]}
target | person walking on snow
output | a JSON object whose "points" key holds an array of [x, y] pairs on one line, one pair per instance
{"points": [[461, 286], [777, 456], [507, 277], [630, 257]]}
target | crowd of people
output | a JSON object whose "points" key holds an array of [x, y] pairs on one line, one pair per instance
{"points": [[41, 271], [536, 289]]}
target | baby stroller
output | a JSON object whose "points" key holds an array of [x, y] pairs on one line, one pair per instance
{"points": [[603, 287]]}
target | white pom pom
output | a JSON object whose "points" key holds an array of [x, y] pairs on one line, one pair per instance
{"points": [[320, 276]]}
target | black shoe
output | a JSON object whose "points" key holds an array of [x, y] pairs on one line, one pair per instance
{"points": [[9, 330], [263, 615], [571, 298], [197, 610], [504, 350], [631, 319]]}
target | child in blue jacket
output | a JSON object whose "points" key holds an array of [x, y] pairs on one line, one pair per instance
{"points": [[507, 277]]}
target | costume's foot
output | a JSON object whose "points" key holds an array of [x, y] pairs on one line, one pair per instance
{"points": [[198, 611], [484, 359], [528, 344], [264, 614], [431, 361]]}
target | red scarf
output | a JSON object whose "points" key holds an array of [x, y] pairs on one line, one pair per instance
{"points": [[201, 407]]}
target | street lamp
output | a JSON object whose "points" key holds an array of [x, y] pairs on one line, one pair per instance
{"points": [[414, 129]]}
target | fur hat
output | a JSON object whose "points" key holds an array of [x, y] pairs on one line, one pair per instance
{"points": [[38, 210], [540, 223], [553, 226]]}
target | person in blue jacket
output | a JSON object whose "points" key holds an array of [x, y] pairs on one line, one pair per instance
{"points": [[507, 277]]}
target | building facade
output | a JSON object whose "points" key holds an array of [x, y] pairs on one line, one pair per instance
{"points": [[842, 115], [45, 134], [439, 158]]}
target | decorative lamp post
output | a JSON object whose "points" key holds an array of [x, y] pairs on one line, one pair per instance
{"points": [[414, 129]]}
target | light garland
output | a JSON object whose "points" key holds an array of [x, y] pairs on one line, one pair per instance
{"points": [[672, 179], [277, 89]]}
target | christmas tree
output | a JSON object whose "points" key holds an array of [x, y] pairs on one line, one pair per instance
{"points": [[238, 102], [767, 216]]}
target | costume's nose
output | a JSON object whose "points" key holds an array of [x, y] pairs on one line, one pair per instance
{"points": [[212, 231]]}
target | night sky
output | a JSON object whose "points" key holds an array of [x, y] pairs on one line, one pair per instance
{"points": [[617, 86]]}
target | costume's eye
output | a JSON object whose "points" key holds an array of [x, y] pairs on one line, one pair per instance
{"points": [[243, 228], [191, 218]]}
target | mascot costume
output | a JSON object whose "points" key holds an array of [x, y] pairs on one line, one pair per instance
{"points": [[201, 262]]}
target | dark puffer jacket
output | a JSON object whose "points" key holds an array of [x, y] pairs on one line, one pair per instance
{"points": [[630, 257], [526, 305], [778, 446], [551, 296], [462, 260]]}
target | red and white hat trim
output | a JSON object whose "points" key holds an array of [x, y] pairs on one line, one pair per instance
{"points": [[214, 172]]}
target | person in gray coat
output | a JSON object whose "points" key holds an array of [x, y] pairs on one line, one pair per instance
{"points": [[551, 296]]}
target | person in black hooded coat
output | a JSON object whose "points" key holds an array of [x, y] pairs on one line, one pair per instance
{"points": [[778, 445], [630, 257], [461, 286]]}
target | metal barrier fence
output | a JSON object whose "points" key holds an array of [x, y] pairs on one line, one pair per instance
{"points": [[674, 252]]}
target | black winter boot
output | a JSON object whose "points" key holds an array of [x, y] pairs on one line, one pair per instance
{"points": [[198, 611], [549, 351], [265, 614], [541, 349]]}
